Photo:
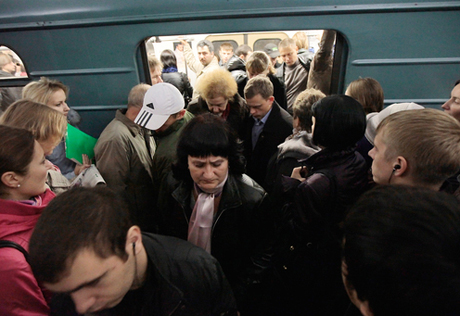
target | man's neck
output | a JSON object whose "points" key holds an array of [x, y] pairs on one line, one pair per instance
{"points": [[132, 112]]}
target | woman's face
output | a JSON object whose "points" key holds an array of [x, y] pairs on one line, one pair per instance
{"points": [[33, 182], [57, 102], [217, 105], [208, 172]]}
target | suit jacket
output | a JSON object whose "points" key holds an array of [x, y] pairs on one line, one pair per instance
{"points": [[277, 127]]}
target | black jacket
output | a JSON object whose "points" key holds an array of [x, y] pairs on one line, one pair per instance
{"points": [[180, 81], [182, 280], [236, 66], [275, 131], [242, 231], [238, 111]]}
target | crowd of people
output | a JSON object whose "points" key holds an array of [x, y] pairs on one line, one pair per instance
{"points": [[254, 192]]}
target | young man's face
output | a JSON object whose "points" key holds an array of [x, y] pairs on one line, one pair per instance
{"points": [[155, 75], [258, 106], [452, 106], [382, 168], [204, 55], [225, 55], [95, 283], [289, 54]]}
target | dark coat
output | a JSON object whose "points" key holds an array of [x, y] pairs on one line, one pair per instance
{"points": [[180, 81], [182, 280], [279, 89], [275, 131], [241, 232], [238, 112], [334, 182]]}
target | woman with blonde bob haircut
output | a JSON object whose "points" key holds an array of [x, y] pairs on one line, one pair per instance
{"points": [[47, 126], [219, 95], [54, 94], [260, 64]]}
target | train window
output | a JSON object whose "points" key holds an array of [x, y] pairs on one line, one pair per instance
{"points": [[155, 45], [11, 65]]}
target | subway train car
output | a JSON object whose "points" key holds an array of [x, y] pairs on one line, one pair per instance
{"points": [[99, 48]]}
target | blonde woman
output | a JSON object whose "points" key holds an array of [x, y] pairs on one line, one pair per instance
{"points": [[54, 94]]}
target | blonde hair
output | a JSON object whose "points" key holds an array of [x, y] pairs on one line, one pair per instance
{"points": [[216, 83], [368, 92], [428, 139], [258, 62], [41, 90], [287, 42], [44, 122], [302, 107], [154, 63], [301, 40]]}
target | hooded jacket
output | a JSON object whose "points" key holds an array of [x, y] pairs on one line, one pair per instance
{"points": [[20, 294]]}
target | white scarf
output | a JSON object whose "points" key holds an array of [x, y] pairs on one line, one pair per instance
{"points": [[200, 225]]}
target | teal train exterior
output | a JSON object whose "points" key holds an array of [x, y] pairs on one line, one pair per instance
{"points": [[97, 47]]}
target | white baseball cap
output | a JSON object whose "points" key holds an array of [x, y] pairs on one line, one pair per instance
{"points": [[160, 101]]}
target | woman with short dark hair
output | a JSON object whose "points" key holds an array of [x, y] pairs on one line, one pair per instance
{"points": [[323, 190], [209, 201], [171, 75]]}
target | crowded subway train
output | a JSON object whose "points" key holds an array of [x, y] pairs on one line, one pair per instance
{"points": [[312, 200]]}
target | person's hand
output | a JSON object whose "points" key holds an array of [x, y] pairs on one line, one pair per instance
{"points": [[86, 164], [297, 173], [185, 43]]}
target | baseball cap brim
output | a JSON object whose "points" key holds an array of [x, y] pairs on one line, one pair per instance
{"points": [[151, 121]]}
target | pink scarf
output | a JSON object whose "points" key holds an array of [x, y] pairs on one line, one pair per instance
{"points": [[200, 225]]}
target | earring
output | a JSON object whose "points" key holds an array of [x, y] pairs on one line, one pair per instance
{"points": [[19, 185]]}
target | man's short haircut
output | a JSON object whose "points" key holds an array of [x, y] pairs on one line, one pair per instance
{"points": [[44, 122], [259, 62], [154, 63], [207, 43], [4, 60], [258, 85], [428, 139], [302, 107], [81, 218], [168, 59], [136, 95], [457, 82], [16, 151], [41, 90], [301, 40], [368, 92], [287, 42], [217, 83], [207, 135], [402, 251], [243, 50], [339, 122], [226, 46]]}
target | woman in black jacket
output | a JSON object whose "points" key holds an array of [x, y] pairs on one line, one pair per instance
{"points": [[171, 75], [209, 201], [323, 191]]}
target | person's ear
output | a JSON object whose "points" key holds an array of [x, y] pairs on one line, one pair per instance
{"points": [[181, 114], [134, 240], [400, 167], [11, 179]]}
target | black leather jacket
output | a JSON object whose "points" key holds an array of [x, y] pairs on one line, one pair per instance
{"points": [[242, 229], [180, 81]]}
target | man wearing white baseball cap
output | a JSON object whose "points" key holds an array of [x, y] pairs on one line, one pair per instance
{"points": [[163, 112]]}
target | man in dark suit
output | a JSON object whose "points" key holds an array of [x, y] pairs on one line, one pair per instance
{"points": [[266, 128]]}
